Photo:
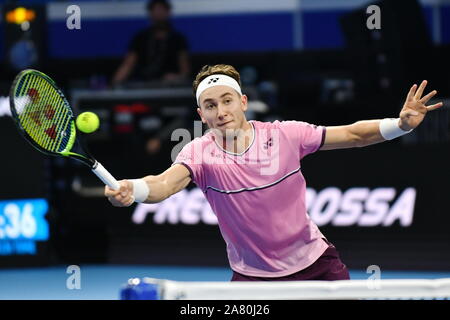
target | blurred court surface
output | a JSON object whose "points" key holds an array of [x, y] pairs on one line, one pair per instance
{"points": [[105, 282]]}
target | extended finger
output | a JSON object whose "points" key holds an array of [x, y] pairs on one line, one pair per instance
{"points": [[419, 91], [428, 97], [411, 92], [435, 106]]}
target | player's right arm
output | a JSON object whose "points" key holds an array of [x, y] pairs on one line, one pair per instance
{"points": [[162, 186]]}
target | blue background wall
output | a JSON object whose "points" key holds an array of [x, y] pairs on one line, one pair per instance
{"points": [[296, 25]]}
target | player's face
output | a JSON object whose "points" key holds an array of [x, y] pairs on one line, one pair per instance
{"points": [[222, 108]]}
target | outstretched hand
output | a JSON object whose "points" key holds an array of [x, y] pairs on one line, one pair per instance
{"points": [[415, 109]]}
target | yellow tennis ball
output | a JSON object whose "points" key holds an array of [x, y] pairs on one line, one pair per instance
{"points": [[87, 122]]}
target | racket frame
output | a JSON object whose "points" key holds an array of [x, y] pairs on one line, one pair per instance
{"points": [[88, 160]]}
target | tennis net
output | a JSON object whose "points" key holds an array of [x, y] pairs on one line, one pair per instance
{"points": [[404, 289]]}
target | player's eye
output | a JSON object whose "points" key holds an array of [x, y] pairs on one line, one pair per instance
{"points": [[227, 101]]}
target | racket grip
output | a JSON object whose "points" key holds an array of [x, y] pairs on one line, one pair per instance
{"points": [[105, 176]]}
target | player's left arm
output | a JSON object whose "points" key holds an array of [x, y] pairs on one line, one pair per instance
{"points": [[367, 132]]}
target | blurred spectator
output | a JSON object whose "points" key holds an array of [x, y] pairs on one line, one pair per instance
{"points": [[157, 53], [153, 145]]}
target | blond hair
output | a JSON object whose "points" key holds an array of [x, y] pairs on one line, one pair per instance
{"points": [[207, 71]]}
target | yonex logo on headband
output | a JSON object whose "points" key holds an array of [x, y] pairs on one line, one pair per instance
{"points": [[217, 80], [213, 80]]}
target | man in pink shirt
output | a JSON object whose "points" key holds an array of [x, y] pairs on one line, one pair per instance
{"points": [[250, 173]]}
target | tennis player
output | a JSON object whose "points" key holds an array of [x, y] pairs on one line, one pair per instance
{"points": [[250, 173]]}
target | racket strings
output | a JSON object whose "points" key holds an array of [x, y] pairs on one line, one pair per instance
{"points": [[43, 113], [31, 115], [48, 129]]}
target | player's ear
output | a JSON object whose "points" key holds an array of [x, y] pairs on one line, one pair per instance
{"points": [[199, 111], [244, 102]]}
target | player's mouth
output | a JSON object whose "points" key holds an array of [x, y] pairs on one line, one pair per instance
{"points": [[223, 124]]}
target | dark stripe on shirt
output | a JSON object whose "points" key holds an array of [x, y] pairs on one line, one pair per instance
{"points": [[253, 188]]}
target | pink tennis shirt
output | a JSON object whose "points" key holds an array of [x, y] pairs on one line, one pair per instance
{"points": [[258, 196]]}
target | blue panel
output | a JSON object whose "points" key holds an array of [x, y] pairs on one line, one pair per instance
{"points": [[428, 15], [23, 219], [100, 38], [445, 26], [228, 33], [243, 32], [33, 2], [321, 29]]}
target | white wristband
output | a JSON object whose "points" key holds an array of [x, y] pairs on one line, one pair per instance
{"points": [[390, 129], [140, 190]]}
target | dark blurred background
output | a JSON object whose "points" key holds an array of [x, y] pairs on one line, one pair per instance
{"points": [[314, 61]]}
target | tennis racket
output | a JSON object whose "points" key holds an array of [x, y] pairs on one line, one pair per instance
{"points": [[46, 120]]}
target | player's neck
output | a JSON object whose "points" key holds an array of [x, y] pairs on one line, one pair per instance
{"points": [[239, 142]]}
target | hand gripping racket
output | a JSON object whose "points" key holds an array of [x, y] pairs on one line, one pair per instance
{"points": [[46, 120]]}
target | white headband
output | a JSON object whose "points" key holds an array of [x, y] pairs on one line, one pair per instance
{"points": [[217, 80]]}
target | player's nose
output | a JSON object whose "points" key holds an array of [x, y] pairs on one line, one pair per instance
{"points": [[221, 111]]}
